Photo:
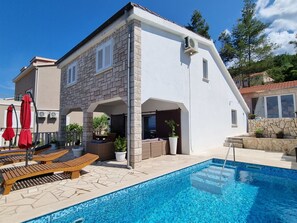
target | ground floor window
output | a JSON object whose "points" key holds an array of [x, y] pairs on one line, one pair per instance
{"points": [[280, 106], [149, 126], [234, 118], [277, 106]]}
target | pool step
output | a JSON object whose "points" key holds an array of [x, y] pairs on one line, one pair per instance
{"points": [[213, 179], [237, 142]]}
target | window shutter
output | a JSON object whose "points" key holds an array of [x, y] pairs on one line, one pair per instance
{"points": [[69, 76], [100, 59], [107, 56], [73, 73]]}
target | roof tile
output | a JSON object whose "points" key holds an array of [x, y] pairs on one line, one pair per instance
{"points": [[268, 87]]}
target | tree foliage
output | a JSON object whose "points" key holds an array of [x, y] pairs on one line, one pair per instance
{"points": [[247, 43], [284, 68], [198, 25], [74, 128], [294, 42], [100, 123]]}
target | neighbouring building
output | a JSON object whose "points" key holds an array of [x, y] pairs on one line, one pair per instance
{"points": [[276, 100], [254, 79], [141, 69], [42, 79]]}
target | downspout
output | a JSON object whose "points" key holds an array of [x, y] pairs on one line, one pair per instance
{"points": [[35, 90], [128, 96]]}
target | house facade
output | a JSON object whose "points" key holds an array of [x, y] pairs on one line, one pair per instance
{"points": [[42, 79], [276, 100], [136, 69]]}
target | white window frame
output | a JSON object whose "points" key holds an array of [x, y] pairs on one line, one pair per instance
{"points": [[103, 47], [236, 118], [278, 103], [20, 97], [205, 77], [70, 80]]}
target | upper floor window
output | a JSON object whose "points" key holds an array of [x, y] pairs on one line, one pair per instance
{"points": [[234, 118], [104, 54], [205, 70], [72, 73]]}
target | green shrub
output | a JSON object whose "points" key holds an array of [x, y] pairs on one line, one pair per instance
{"points": [[120, 144], [172, 125], [259, 133]]}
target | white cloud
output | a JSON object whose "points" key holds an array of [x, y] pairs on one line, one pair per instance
{"points": [[282, 17], [227, 31]]}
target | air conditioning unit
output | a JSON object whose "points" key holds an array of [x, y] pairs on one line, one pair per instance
{"points": [[191, 46], [42, 114], [53, 114]]}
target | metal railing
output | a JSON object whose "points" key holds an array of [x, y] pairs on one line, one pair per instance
{"points": [[231, 145], [72, 137]]}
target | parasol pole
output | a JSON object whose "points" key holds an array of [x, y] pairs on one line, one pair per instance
{"points": [[17, 125], [36, 121]]}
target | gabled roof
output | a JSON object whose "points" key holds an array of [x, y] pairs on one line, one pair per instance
{"points": [[147, 16], [112, 19], [269, 87]]}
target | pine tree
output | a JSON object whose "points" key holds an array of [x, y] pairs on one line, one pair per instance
{"points": [[247, 42], [294, 42], [198, 25]]}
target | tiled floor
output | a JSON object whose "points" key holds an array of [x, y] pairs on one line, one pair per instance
{"points": [[106, 177]]}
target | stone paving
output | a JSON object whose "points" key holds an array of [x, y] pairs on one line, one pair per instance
{"points": [[105, 177]]}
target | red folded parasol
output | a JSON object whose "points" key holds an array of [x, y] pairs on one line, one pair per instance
{"points": [[8, 133], [25, 139]]}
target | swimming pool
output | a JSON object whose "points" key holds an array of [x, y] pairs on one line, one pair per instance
{"points": [[250, 193]]}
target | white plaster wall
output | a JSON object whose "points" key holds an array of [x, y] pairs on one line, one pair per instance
{"points": [[169, 74]]}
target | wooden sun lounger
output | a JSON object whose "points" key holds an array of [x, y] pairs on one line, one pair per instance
{"points": [[13, 152], [42, 158], [73, 166]]}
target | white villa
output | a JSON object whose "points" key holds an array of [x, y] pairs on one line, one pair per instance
{"points": [[141, 69]]}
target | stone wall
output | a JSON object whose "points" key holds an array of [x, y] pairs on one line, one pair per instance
{"points": [[271, 144], [92, 87], [271, 126]]}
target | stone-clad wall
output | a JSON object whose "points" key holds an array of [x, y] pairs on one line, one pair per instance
{"points": [[268, 144], [109, 84], [273, 125], [92, 87]]}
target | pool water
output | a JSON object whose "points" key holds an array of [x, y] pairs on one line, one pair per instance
{"points": [[254, 193]]}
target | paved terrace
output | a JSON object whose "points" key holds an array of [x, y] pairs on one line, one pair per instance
{"points": [[105, 177]]}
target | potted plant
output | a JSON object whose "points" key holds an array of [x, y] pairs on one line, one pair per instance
{"points": [[259, 133], [280, 134], [53, 143], [77, 149], [120, 145], [252, 116], [173, 137]]}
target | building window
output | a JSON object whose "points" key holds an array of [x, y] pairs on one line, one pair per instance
{"points": [[281, 106], [19, 97], [149, 126], [72, 73], [234, 118], [205, 70], [104, 54]]}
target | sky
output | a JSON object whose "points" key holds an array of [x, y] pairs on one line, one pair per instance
{"points": [[50, 28]]}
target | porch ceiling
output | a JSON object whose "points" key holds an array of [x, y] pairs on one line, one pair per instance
{"points": [[153, 104]]}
